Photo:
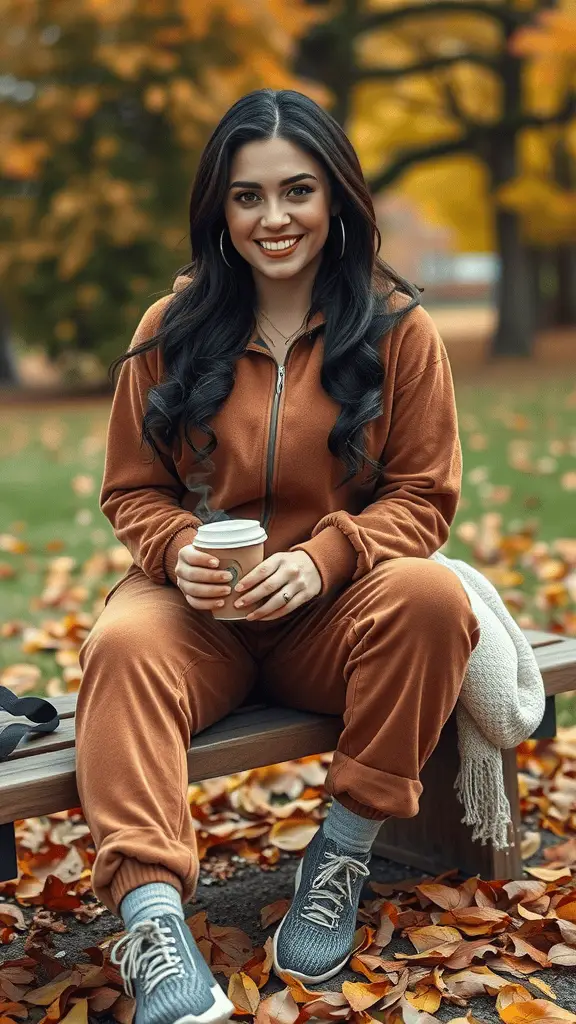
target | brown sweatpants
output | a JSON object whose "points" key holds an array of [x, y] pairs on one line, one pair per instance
{"points": [[389, 653]]}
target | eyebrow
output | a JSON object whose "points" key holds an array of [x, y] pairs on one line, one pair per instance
{"points": [[285, 181]]}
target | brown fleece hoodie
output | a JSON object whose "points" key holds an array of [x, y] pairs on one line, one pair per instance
{"points": [[272, 461]]}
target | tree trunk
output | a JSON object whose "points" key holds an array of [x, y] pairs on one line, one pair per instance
{"points": [[515, 292], [8, 369], [564, 312], [516, 299], [565, 306], [327, 55], [544, 279]]}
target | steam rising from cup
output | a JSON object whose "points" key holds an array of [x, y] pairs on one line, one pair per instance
{"points": [[196, 484]]}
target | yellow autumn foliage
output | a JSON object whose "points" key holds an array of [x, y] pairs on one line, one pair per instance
{"points": [[396, 110]]}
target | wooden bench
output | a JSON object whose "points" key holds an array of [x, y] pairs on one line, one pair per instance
{"points": [[39, 777]]}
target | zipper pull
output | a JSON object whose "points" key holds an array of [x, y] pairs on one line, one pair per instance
{"points": [[280, 380]]}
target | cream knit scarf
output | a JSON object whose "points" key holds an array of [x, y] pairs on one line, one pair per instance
{"points": [[501, 703]]}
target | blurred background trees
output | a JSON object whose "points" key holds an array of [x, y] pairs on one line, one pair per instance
{"points": [[105, 107], [469, 106], [466, 107]]}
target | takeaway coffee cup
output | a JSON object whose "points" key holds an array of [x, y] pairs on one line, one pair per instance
{"points": [[239, 546]]}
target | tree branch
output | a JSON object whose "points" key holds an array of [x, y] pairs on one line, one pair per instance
{"points": [[501, 12], [468, 143], [410, 157], [454, 107], [434, 64], [451, 99]]}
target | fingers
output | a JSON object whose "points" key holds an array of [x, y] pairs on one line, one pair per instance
{"points": [[204, 590], [189, 555], [203, 585], [266, 569], [203, 606], [193, 574], [276, 607], [282, 579], [202, 596]]}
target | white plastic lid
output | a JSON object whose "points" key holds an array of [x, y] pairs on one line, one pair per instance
{"points": [[230, 533]]}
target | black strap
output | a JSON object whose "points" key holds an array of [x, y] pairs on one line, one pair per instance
{"points": [[35, 708]]}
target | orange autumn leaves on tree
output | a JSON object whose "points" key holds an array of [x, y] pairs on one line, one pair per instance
{"points": [[553, 35]]}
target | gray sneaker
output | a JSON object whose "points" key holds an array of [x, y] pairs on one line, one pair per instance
{"points": [[315, 938], [163, 969]]}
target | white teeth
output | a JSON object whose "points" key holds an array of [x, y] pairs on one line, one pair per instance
{"points": [[286, 244]]}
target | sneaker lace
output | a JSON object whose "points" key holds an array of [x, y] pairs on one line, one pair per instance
{"points": [[156, 963], [339, 891]]}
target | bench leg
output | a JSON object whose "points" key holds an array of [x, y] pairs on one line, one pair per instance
{"points": [[436, 840], [8, 862]]}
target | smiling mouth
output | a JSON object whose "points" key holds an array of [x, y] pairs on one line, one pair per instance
{"points": [[279, 247]]}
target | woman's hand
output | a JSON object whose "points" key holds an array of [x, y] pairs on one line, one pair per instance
{"points": [[287, 572], [204, 586]]}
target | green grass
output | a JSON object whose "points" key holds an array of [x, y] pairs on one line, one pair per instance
{"points": [[549, 410], [43, 451], [39, 506]]}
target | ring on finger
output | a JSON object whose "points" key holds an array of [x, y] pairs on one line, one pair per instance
{"points": [[286, 596]]}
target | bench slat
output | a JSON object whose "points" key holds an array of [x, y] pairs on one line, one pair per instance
{"points": [[65, 705], [555, 654], [39, 777], [537, 638], [65, 735], [557, 664], [31, 785]]}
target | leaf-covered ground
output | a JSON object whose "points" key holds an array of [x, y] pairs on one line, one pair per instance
{"points": [[460, 937], [424, 946]]}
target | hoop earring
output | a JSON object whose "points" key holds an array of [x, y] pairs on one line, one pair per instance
{"points": [[222, 249], [343, 237]]}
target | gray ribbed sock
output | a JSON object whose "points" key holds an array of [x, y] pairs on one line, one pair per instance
{"points": [[149, 900], [349, 831]]}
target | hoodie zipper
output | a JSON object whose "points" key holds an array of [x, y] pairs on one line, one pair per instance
{"points": [[280, 381]]}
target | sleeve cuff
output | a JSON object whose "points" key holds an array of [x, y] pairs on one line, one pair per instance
{"points": [[184, 536], [333, 555]]}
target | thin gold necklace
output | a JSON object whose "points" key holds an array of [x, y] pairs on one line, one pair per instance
{"points": [[287, 342], [287, 339]]}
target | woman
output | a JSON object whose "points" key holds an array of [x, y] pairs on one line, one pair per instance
{"points": [[300, 371]]}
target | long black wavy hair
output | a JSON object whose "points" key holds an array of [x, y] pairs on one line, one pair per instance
{"points": [[206, 326]]}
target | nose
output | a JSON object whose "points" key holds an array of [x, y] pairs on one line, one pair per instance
{"points": [[274, 217]]}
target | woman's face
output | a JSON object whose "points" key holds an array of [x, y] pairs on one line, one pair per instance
{"points": [[277, 207]]}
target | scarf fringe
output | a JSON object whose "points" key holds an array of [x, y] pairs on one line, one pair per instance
{"points": [[479, 787], [501, 702]]}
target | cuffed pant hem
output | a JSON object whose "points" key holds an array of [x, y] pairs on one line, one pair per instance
{"points": [[372, 793], [360, 809], [133, 857], [133, 873]]}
